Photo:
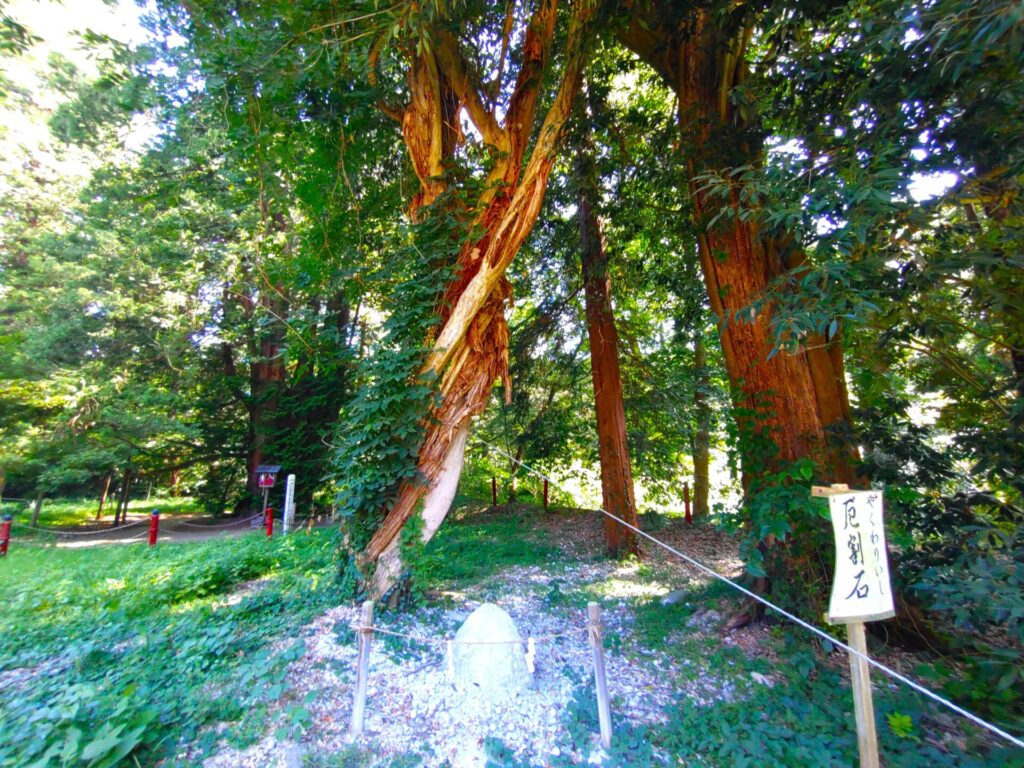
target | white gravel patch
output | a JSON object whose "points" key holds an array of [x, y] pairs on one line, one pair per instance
{"points": [[413, 707]]}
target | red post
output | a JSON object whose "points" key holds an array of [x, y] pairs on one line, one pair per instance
{"points": [[270, 521], [494, 491], [154, 527], [686, 501], [545, 494], [5, 534]]}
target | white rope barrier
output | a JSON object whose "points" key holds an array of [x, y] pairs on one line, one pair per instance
{"points": [[59, 532], [786, 614], [171, 521], [167, 528], [451, 641]]}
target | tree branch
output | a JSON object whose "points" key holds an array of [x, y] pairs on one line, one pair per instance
{"points": [[517, 219], [456, 68], [536, 47], [393, 112]]}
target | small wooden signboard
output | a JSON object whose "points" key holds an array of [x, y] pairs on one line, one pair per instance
{"points": [[861, 591], [266, 474]]}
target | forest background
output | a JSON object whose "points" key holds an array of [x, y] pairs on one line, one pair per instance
{"points": [[219, 249]]}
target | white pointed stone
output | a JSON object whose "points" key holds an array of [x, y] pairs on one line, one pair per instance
{"points": [[488, 653]]}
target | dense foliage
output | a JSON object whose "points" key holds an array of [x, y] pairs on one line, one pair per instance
{"points": [[254, 281], [171, 654]]}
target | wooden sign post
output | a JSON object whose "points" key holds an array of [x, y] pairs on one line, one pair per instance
{"points": [[265, 475], [860, 592]]}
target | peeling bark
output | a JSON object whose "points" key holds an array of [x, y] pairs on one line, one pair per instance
{"points": [[470, 351], [800, 396]]}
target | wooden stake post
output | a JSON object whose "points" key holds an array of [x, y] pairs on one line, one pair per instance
{"points": [[363, 668], [596, 634], [863, 708], [861, 592]]}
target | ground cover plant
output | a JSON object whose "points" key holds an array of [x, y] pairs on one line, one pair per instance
{"points": [[790, 702], [119, 654], [236, 650]]}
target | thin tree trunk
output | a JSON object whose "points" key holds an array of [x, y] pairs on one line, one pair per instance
{"points": [[121, 515], [613, 448], [702, 433], [513, 474], [37, 508], [103, 496]]}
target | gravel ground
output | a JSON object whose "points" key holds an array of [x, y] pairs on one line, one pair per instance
{"points": [[414, 708]]}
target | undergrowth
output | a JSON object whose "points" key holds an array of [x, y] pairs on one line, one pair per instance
{"points": [[122, 653], [469, 550], [805, 718]]}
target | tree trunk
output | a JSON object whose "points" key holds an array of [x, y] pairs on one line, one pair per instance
{"points": [[470, 350], [103, 496], [513, 474], [613, 448], [37, 508], [121, 514], [789, 404], [266, 371], [702, 433], [796, 399]]}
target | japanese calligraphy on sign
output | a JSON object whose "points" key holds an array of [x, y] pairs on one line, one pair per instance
{"points": [[861, 590]]}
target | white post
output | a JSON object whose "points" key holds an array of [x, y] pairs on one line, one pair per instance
{"points": [[362, 668], [596, 632], [289, 504]]}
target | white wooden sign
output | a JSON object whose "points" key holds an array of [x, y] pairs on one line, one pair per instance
{"points": [[861, 590]]}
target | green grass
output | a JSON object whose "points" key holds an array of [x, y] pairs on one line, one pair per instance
{"points": [[71, 512], [141, 640], [806, 718], [470, 550]]}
